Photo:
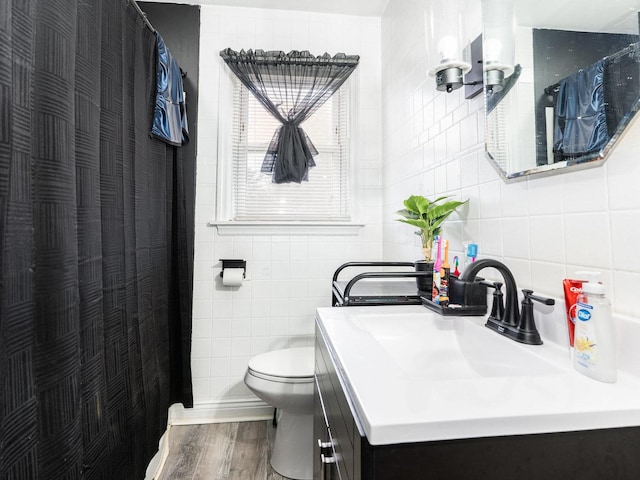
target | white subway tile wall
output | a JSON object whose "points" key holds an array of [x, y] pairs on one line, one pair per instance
{"points": [[545, 229], [288, 277], [411, 139]]}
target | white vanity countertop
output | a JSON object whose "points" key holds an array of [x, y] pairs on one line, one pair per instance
{"points": [[413, 375]]}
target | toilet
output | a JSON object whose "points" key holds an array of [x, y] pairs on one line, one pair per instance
{"points": [[284, 379]]}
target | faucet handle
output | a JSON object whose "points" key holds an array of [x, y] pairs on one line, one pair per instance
{"points": [[546, 301], [497, 309], [527, 331]]}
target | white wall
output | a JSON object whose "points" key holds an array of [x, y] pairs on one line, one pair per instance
{"points": [[545, 229], [289, 275], [433, 142]]}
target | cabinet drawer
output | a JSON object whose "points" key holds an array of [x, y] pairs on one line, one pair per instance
{"points": [[338, 413], [333, 383]]}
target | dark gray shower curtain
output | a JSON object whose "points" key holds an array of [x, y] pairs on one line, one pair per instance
{"points": [[95, 286]]}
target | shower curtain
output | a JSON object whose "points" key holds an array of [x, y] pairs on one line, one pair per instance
{"points": [[95, 282]]}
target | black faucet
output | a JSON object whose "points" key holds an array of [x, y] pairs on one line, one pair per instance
{"points": [[508, 321]]}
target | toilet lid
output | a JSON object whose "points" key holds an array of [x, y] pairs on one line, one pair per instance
{"points": [[289, 362]]}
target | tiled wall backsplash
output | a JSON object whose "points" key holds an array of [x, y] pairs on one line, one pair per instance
{"points": [[287, 276], [544, 229], [412, 140]]}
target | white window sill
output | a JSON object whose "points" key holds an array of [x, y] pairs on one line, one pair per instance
{"points": [[287, 228]]}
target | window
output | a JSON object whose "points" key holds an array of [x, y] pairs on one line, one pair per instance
{"points": [[325, 197]]}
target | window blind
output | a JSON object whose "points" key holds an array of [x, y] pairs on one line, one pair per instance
{"points": [[496, 136], [324, 197]]}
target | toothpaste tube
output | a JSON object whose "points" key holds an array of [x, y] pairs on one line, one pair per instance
{"points": [[572, 288]]}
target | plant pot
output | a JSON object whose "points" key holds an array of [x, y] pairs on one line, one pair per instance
{"points": [[424, 283]]}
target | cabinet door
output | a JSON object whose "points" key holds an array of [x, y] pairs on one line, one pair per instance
{"points": [[325, 465], [337, 414], [320, 435]]}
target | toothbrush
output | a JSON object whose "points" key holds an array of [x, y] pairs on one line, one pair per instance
{"points": [[435, 292], [438, 263], [444, 277], [445, 263]]}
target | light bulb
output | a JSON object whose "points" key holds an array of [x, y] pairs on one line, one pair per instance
{"points": [[448, 48], [492, 50]]}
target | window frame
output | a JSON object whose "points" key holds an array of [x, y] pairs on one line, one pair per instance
{"points": [[225, 183]]}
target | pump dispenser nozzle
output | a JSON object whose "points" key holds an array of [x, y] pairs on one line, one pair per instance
{"points": [[592, 285]]}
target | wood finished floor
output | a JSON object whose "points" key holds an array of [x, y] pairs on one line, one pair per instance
{"points": [[220, 451]]}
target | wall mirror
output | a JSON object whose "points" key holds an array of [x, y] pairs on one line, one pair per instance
{"points": [[562, 81]]}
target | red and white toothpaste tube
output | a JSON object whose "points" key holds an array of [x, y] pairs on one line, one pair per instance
{"points": [[572, 288]]}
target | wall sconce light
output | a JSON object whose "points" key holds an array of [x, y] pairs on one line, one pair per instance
{"points": [[446, 38], [499, 42]]}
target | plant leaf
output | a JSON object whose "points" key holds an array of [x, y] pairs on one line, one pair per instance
{"points": [[411, 204], [408, 214], [421, 224], [422, 204], [427, 215]]}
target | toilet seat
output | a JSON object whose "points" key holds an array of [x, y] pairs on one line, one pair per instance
{"points": [[291, 365]]}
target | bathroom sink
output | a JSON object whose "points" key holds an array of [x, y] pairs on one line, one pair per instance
{"points": [[449, 348], [411, 375]]}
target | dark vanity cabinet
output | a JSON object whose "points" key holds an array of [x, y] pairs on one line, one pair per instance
{"points": [[342, 454], [336, 437]]}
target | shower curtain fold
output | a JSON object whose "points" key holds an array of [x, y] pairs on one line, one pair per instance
{"points": [[94, 304]]}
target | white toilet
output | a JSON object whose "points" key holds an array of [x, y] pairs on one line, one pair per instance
{"points": [[284, 379]]}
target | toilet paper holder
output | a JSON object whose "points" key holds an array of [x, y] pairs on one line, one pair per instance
{"points": [[233, 263]]}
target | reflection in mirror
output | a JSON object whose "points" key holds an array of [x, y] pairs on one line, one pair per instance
{"points": [[573, 87]]}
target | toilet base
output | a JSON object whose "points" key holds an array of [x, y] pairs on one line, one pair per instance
{"points": [[292, 455]]}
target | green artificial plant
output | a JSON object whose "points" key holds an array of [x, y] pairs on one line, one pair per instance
{"points": [[428, 217]]}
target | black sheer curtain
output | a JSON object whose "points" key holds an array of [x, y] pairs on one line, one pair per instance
{"points": [[291, 87], [95, 297]]}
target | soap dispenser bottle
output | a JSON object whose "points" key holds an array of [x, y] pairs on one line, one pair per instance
{"points": [[594, 352]]}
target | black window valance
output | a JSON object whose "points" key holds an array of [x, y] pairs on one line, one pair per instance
{"points": [[291, 86]]}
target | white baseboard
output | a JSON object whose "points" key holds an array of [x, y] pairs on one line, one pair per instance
{"points": [[157, 462], [220, 411]]}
